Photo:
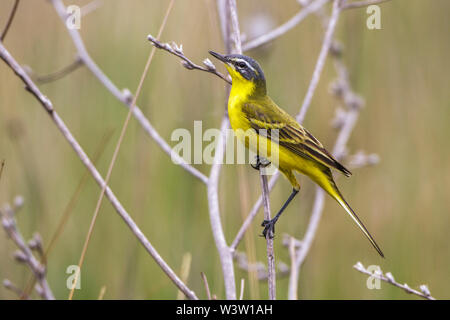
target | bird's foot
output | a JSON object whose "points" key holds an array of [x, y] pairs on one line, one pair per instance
{"points": [[269, 228], [260, 163]]}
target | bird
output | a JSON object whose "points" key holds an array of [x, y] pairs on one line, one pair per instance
{"points": [[268, 130]]}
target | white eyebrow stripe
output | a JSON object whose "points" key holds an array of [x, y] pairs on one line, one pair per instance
{"points": [[248, 64]]}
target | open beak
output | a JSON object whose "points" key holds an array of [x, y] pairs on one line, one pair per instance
{"points": [[219, 56]]}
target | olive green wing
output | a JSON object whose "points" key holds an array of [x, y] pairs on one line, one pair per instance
{"points": [[265, 117]]}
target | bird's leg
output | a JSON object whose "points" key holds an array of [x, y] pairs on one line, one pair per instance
{"points": [[260, 162], [269, 225]]}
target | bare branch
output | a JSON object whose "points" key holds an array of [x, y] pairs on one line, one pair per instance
{"points": [[25, 254], [47, 105], [292, 289], [12, 287], [269, 236], [90, 7], [122, 96], [389, 278], [235, 33], [60, 73], [241, 294], [10, 20], [226, 257], [252, 214], [360, 4], [186, 62], [222, 10], [295, 20]]}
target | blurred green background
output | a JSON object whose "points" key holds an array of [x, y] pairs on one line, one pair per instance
{"points": [[401, 71]]}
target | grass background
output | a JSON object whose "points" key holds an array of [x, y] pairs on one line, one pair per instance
{"points": [[400, 70]]}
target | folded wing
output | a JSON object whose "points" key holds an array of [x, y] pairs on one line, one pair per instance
{"points": [[266, 116]]}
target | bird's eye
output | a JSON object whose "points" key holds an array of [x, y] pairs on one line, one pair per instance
{"points": [[241, 64]]}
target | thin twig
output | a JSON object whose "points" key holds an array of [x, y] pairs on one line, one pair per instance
{"points": [[281, 30], [205, 282], [12, 287], [90, 7], [122, 96], [241, 294], [389, 278], [10, 19], [360, 4], [271, 280], [117, 148], [252, 214], [25, 255], [293, 270], [60, 73], [186, 62], [235, 34], [48, 107]]}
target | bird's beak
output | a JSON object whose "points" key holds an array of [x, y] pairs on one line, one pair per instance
{"points": [[219, 57]]}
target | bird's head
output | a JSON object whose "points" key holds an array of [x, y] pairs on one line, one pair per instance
{"points": [[245, 72]]}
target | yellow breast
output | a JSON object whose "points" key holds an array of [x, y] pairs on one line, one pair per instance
{"points": [[246, 134], [240, 91], [237, 117]]}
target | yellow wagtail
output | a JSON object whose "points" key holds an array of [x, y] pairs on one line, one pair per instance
{"points": [[250, 109]]}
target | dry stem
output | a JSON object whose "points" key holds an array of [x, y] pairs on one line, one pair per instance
{"points": [[389, 278]]}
